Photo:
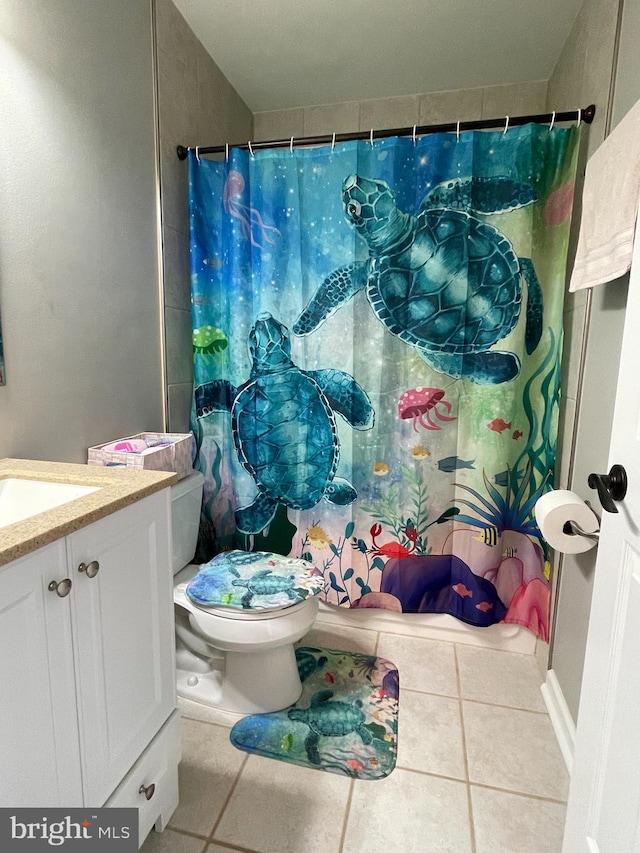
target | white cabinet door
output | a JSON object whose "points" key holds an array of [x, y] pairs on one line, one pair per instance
{"points": [[123, 632], [39, 754]]}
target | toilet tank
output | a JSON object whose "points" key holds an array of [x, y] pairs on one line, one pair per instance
{"points": [[186, 501]]}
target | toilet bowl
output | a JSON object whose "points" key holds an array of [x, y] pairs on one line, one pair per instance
{"points": [[238, 658]]}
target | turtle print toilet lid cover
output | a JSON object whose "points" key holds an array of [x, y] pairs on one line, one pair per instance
{"points": [[254, 581]]}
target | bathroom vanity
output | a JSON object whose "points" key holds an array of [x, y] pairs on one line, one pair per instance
{"points": [[87, 672]]}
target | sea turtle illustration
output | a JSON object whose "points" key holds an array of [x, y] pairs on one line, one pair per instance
{"points": [[308, 663], [264, 582], [284, 426], [331, 719], [443, 281]]}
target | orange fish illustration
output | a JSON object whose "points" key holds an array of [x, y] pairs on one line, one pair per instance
{"points": [[462, 591], [484, 606], [381, 469], [498, 425], [354, 765], [420, 452], [329, 678], [517, 433]]}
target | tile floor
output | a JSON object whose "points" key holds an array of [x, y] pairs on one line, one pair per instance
{"points": [[479, 769]]}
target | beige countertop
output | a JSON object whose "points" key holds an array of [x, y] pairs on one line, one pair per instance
{"points": [[118, 488]]}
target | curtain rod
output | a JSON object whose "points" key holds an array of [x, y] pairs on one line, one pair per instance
{"points": [[587, 115]]}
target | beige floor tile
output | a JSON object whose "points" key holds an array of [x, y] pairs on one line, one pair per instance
{"points": [[196, 711], [172, 842], [409, 812], [430, 734], [329, 636], [499, 678], [208, 769], [513, 749], [509, 822], [280, 808], [425, 665]]}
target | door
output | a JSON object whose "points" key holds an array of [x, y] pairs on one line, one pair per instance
{"points": [[603, 814], [124, 639], [39, 755]]}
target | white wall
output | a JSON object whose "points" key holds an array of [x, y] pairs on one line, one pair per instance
{"points": [[78, 226], [584, 74], [627, 87]]}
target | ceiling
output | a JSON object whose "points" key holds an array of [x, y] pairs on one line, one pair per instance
{"points": [[280, 54]]}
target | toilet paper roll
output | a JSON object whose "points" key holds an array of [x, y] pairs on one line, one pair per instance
{"points": [[554, 509]]}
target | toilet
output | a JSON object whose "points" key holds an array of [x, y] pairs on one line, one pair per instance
{"points": [[235, 647]]}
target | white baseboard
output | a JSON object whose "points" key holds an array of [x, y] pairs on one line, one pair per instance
{"points": [[432, 626], [560, 716]]}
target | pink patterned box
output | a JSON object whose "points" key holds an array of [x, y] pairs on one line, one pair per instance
{"points": [[174, 457]]}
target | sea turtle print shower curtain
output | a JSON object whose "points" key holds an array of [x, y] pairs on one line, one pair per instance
{"points": [[377, 333]]}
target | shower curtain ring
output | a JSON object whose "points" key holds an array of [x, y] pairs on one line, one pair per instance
{"points": [[506, 126], [371, 138], [226, 152], [333, 140], [197, 155], [291, 145], [579, 118], [414, 134], [250, 148], [457, 131], [553, 121]]}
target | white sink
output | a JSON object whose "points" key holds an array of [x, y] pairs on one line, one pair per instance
{"points": [[20, 499]]}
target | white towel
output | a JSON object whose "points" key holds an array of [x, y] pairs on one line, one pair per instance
{"points": [[609, 206]]}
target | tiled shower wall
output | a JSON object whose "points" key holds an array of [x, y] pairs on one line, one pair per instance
{"points": [[197, 106], [403, 111]]}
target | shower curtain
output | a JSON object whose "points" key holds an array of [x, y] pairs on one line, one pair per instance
{"points": [[377, 333]]}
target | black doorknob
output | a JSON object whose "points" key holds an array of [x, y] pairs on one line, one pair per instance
{"points": [[611, 487]]}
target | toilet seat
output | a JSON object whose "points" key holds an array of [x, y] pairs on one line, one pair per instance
{"points": [[250, 585], [234, 613], [248, 615]]}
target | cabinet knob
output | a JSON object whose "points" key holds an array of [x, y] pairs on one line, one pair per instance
{"points": [[91, 569], [61, 588], [148, 790]]}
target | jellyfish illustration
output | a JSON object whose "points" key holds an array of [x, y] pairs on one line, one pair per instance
{"points": [[248, 217], [420, 403], [208, 340]]}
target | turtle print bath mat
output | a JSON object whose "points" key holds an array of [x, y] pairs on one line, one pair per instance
{"points": [[345, 721]]}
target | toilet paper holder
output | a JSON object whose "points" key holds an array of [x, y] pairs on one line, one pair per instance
{"points": [[572, 528]]}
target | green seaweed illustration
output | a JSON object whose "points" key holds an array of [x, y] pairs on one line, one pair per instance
{"points": [[540, 449], [334, 567], [403, 515], [403, 512], [511, 511], [530, 476]]}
